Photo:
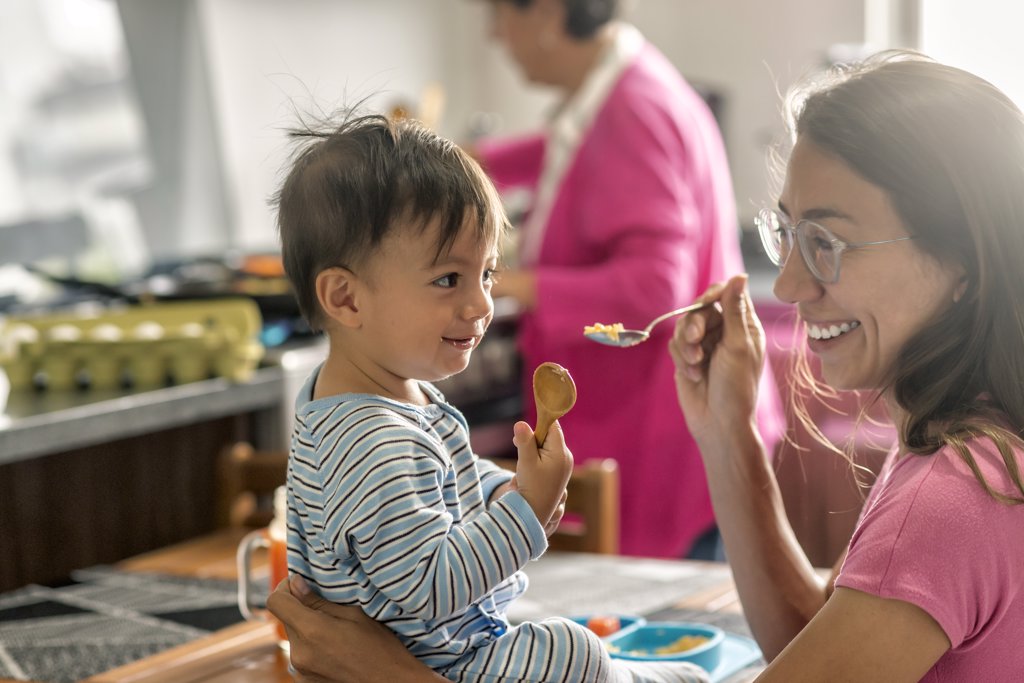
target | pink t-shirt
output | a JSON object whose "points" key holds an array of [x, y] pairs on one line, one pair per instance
{"points": [[930, 535]]}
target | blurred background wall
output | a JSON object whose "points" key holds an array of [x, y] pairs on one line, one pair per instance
{"points": [[158, 124]]}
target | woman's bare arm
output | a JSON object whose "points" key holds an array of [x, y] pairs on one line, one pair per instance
{"points": [[719, 356], [861, 637], [780, 590]]}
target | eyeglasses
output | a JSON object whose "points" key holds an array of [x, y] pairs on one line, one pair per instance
{"points": [[819, 247]]}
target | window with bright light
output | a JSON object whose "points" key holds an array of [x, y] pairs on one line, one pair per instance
{"points": [[982, 36]]}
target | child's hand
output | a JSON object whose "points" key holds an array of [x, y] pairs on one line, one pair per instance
{"points": [[556, 518], [542, 474]]}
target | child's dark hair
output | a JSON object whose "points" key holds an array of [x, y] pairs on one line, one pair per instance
{"points": [[349, 185]]}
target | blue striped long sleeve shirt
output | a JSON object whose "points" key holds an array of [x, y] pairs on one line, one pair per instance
{"points": [[388, 510]]}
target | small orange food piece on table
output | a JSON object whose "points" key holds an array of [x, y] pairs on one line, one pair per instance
{"points": [[603, 625]]}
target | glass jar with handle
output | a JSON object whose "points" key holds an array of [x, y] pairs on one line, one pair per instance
{"points": [[273, 538]]}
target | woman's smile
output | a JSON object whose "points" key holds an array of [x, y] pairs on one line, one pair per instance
{"points": [[825, 337], [830, 330]]}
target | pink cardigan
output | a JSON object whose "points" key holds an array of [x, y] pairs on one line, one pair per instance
{"points": [[643, 222]]}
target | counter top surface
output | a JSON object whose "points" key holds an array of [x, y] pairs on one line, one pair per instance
{"points": [[33, 424]]}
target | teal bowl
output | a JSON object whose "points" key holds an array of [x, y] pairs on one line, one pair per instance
{"points": [[641, 643]]}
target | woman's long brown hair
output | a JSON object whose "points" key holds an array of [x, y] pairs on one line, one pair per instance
{"points": [[948, 149]]}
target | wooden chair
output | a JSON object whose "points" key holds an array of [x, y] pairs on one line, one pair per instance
{"points": [[247, 479], [591, 522], [246, 482]]}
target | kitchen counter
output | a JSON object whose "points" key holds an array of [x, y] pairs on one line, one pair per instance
{"points": [[91, 477], [34, 424]]}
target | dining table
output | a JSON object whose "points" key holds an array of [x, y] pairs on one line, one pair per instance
{"points": [[560, 584]]}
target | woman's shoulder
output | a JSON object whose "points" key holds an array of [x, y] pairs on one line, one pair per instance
{"points": [[928, 499], [927, 504], [651, 83], [653, 112], [934, 537], [973, 464]]}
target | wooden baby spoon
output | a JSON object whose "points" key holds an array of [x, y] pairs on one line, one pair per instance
{"points": [[554, 393]]}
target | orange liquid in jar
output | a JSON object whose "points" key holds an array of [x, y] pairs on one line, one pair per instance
{"points": [[278, 557]]}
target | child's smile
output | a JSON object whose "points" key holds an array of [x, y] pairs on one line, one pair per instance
{"points": [[464, 344]]}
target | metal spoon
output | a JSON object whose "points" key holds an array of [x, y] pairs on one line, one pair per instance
{"points": [[633, 337], [555, 393]]}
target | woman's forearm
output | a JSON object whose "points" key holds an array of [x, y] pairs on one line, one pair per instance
{"points": [[777, 585]]}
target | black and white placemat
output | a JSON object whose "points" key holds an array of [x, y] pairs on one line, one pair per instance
{"points": [[105, 618]]}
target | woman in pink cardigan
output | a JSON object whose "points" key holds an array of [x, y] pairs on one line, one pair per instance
{"points": [[633, 215]]}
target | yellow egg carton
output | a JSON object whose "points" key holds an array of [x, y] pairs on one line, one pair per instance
{"points": [[145, 345]]}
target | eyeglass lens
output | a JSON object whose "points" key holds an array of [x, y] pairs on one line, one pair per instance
{"points": [[816, 243], [819, 250], [769, 227]]}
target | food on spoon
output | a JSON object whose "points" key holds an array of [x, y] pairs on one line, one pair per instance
{"points": [[600, 328], [604, 625]]}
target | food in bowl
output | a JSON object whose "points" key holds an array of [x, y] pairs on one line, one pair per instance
{"points": [[681, 644], [699, 644]]}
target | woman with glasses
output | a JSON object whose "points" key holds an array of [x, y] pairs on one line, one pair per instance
{"points": [[899, 233]]}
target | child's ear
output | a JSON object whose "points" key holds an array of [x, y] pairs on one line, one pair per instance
{"points": [[336, 291]]}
